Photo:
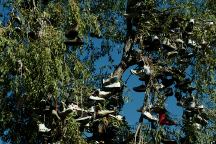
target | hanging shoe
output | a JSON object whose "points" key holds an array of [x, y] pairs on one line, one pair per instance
{"points": [[168, 46], [43, 128], [91, 109], [75, 42], [110, 80], [105, 112], [118, 117], [149, 116], [71, 34], [100, 93], [55, 114], [192, 43], [201, 120], [172, 54], [155, 42], [168, 92], [84, 118], [141, 88], [197, 126], [116, 85], [75, 107], [164, 120], [96, 98], [180, 41]]}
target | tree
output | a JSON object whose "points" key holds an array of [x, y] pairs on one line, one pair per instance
{"points": [[42, 70]]}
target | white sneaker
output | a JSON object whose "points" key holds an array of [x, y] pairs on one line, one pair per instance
{"points": [[192, 21], [118, 117], [192, 43], [43, 128], [192, 105], [166, 42], [84, 118], [96, 98], [172, 53], [110, 80], [74, 107], [142, 72], [91, 109], [114, 85], [105, 112], [179, 41], [55, 113], [103, 93], [149, 116], [197, 125]]}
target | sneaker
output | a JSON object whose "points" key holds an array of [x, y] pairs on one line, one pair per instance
{"points": [[75, 42], [84, 118], [192, 43], [191, 105], [172, 53], [168, 92], [111, 80], [75, 107], [91, 109], [149, 116], [96, 98], [163, 120], [197, 126], [100, 93], [167, 45], [141, 88], [71, 34], [55, 113], [113, 86], [118, 117], [105, 112], [145, 70], [43, 128], [180, 41]]}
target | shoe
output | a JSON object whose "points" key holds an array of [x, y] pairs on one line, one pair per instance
{"points": [[167, 82], [71, 34], [172, 54], [180, 41], [167, 45], [192, 43], [55, 113], [105, 112], [141, 88], [109, 81], [155, 42], [75, 107], [191, 105], [96, 98], [201, 120], [197, 126], [168, 92], [43, 128], [145, 70], [118, 117], [100, 93], [91, 109], [163, 120], [74, 42], [149, 116], [116, 85], [84, 118], [200, 107]]}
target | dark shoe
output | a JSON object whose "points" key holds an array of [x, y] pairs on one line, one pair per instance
{"points": [[141, 88]]}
